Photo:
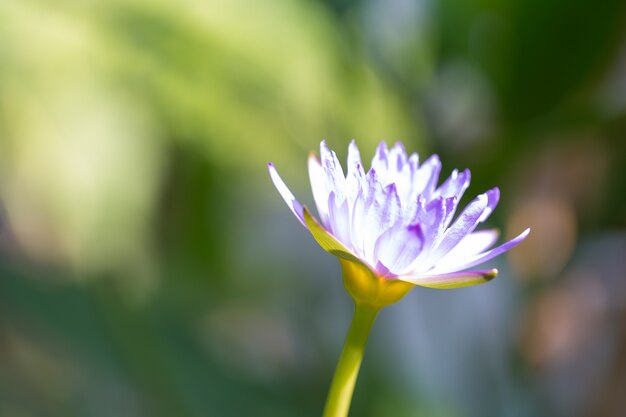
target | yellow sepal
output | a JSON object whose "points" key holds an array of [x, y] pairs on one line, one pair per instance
{"points": [[361, 282]]}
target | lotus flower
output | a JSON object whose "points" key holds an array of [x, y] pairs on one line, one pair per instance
{"points": [[394, 223], [392, 228]]}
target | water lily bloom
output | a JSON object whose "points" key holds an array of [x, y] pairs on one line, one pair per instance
{"points": [[393, 226]]}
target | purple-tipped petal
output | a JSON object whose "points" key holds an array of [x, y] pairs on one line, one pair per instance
{"points": [[470, 246], [384, 212], [356, 223], [430, 216], [355, 177], [396, 158], [493, 196], [354, 156], [380, 162], [319, 186], [334, 171], [452, 280], [339, 219], [454, 187], [464, 225], [485, 256], [364, 214], [405, 180], [388, 207], [398, 247], [291, 201], [414, 162], [427, 176]]}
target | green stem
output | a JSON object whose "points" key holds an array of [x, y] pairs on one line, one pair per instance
{"points": [[342, 386]]}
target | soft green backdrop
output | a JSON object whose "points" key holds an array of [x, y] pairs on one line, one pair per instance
{"points": [[149, 268]]}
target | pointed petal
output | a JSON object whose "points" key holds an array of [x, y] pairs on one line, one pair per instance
{"points": [[493, 197], [414, 160], [328, 242], [319, 186], [382, 213], [356, 222], [470, 246], [427, 176], [379, 162], [354, 156], [430, 214], [406, 183], [291, 201], [387, 207], [464, 224], [335, 178], [475, 212], [452, 280], [429, 217], [398, 247], [485, 256], [455, 184], [339, 219], [396, 158], [361, 214], [355, 177], [454, 187]]}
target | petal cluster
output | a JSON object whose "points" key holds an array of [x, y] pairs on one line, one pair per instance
{"points": [[397, 220]]}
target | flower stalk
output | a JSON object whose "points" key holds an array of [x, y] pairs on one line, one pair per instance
{"points": [[342, 386]]}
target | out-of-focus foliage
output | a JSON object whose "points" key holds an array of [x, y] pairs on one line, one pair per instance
{"points": [[95, 94], [148, 267]]}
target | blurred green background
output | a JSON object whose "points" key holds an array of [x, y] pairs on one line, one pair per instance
{"points": [[149, 268]]}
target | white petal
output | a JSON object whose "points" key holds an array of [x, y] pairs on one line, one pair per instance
{"points": [[398, 247], [494, 196], [356, 223], [455, 187], [470, 246], [334, 172], [452, 280], [430, 217], [463, 225], [291, 201], [355, 178], [427, 176], [354, 156], [379, 162], [396, 159], [319, 187], [382, 213], [339, 219], [485, 256]]}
